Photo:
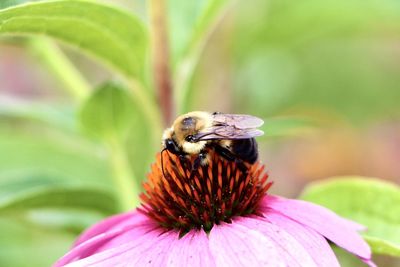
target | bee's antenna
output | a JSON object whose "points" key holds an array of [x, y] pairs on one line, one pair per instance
{"points": [[162, 161]]}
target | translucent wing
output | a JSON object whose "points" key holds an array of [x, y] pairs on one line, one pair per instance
{"points": [[228, 133], [231, 126], [239, 121]]}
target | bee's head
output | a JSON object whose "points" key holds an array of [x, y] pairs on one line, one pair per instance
{"points": [[181, 136], [169, 143]]}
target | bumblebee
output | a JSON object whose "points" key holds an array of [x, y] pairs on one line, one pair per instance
{"points": [[229, 135]]}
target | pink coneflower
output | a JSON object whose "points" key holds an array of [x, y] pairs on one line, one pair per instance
{"points": [[221, 216]]}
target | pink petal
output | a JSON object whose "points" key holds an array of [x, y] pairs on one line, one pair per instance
{"points": [[235, 245], [313, 242], [369, 263], [87, 248], [113, 222], [191, 250], [158, 253], [95, 244], [354, 225], [132, 232], [320, 219], [290, 250], [150, 249]]}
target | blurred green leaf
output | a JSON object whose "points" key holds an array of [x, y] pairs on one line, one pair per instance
{"points": [[27, 150], [183, 16], [73, 220], [111, 35], [111, 112], [8, 3], [60, 66], [213, 12], [61, 117], [287, 126], [140, 146], [189, 55], [334, 57], [25, 245], [371, 202], [347, 259], [40, 192], [192, 23], [108, 112]]}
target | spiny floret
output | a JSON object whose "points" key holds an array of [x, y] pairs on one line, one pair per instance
{"points": [[184, 199]]}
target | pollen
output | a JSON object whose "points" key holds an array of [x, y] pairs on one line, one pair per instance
{"points": [[182, 198]]}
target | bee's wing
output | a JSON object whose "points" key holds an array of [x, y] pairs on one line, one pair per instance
{"points": [[239, 121], [228, 133], [231, 126]]}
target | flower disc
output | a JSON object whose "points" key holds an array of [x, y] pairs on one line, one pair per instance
{"points": [[179, 197]]}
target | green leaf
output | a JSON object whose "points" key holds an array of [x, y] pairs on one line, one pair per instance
{"points": [[183, 16], [40, 192], [73, 220], [61, 117], [347, 259], [187, 62], [111, 35], [8, 3], [28, 150], [108, 112], [371, 202], [287, 126], [59, 65], [25, 245], [313, 55], [212, 14], [140, 147]]}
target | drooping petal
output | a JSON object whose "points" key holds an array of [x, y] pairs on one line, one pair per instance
{"points": [[191, 250], [101, 241], [320, 219], [87, 248], [150, 249], [290, 250], [235, 245], [354, 225], [113, 222], [132, 232], [370, 263], [315, 244]]}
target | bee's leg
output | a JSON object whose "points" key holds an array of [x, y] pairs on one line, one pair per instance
{"points": [[200, 158], [183, 160], [197, 162], [228, 155]]}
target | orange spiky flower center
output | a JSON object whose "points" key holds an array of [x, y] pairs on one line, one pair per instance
{"points": [[182, 198]]}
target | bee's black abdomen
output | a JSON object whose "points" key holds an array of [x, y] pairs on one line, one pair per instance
{"points": [[246, 149]]}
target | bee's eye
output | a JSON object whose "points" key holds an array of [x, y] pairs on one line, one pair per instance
{"points": [[190, 138]]}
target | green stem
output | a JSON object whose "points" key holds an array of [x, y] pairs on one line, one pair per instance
{"points": [[61, 66], [148, 105], [123, 176]]}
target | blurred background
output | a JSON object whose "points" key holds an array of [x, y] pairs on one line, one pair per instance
{"points": [[325, 75]]}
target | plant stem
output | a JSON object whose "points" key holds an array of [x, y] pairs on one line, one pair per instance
{"points": [[124, 179], [149, 108], [161, 57], [61, 66]]}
